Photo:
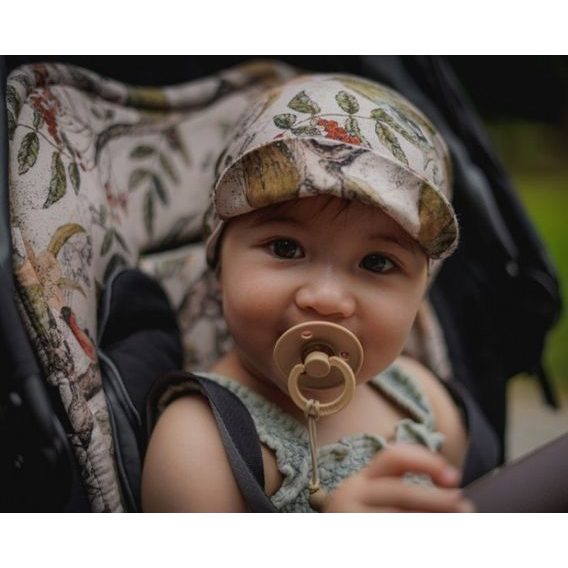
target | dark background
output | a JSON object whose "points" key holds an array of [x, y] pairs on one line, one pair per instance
{"points": [[533, 88]]}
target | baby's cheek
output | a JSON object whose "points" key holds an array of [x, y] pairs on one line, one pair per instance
{"points": [[248, 304], [388, 329], [252, 295]]}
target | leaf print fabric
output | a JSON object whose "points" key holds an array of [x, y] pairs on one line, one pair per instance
{"points": [[101, 172], [345, 136], [27, 155]]}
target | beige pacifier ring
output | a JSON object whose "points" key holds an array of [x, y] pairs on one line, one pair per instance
{"points": [[326, 408], [323, 355]]}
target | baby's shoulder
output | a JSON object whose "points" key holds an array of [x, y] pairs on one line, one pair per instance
{"points": [[186, 467], [426, 381], [447, 416]]}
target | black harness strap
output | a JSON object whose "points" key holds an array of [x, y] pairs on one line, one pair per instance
{"points": [[237, 430]]}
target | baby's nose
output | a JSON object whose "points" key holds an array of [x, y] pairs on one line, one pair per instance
{"points": [[326, 295]]}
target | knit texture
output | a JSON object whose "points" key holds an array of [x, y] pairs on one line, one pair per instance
{"points": [[288, 438]]}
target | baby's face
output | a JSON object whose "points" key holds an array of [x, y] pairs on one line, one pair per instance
{"points": [[319, 258]]}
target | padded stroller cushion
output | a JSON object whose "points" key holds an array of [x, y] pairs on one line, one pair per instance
{"points": [[139, 341], [101, 172], [192, 289], [138, 333], [483, 449]]}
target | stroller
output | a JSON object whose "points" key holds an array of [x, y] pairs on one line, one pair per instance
{"points": [[103, 280]]}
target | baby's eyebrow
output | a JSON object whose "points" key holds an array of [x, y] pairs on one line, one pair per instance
{"points": [[401, 241], [268, 218]]}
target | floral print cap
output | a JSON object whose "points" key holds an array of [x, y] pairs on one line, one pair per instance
{"points": [[344, 136]]}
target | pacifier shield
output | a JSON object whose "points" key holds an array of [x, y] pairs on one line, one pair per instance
{"points": [[295, 346]]}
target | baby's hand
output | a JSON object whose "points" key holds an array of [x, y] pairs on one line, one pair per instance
{"points": [[380, 487]]}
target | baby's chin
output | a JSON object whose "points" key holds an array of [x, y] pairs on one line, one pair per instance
{"points": [[367, 374], [268, 375]]}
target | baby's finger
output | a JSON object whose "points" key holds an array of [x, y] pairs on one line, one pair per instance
{"points": [[393, 493], [396, 460]]}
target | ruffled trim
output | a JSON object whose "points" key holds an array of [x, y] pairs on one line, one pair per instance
{"points": [[288, 438], [399, 387]]}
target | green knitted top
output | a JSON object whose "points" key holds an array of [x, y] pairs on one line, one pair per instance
{"points": [[288, 438]]}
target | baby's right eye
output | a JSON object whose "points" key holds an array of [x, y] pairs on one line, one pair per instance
{"points": [[285, 248]]}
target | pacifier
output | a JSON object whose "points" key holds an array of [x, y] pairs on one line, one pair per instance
{"points": [[318, 355]]}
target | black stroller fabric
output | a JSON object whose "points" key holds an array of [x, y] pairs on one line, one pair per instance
{"points": [[139, 341]]}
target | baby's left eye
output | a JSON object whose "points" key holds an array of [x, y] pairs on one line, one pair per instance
{"points": [[377, 263]]}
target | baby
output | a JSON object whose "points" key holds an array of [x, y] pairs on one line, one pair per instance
{"points": [[331, 206]]}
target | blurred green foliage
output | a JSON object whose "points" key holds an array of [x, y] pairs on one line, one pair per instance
{"points": [[546, 198], [536, 156]]}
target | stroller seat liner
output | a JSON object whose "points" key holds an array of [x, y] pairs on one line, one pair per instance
{"points": [[100, 173]]}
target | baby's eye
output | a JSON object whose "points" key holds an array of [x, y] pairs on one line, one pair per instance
{"points": [[285, 248], [377, 263]]}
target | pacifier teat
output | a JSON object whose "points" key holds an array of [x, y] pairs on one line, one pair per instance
{"points": [[318, 355]]}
